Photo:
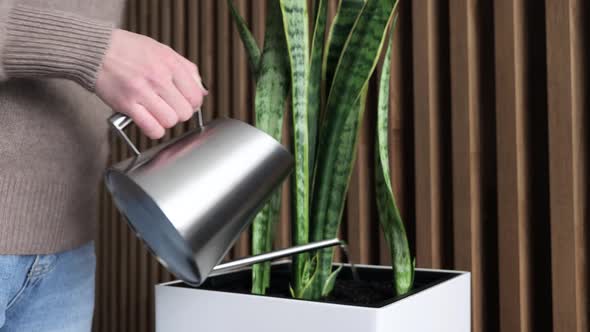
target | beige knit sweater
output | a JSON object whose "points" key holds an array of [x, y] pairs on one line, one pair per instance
{"points": [[53, 133]]}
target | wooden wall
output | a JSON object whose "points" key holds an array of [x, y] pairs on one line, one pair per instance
{"points": [[489, 151]]}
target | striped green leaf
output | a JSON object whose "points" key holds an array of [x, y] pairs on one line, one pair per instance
{"points": [[346, 15], [355, 67], [389, 216], [345, 157], [315, 77], [295, 23], [308, 279], [248, 39], [329, 285], [272, 89], [313, 111]]}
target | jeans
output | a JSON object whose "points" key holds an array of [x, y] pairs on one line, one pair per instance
{"points": [[47, 292]]}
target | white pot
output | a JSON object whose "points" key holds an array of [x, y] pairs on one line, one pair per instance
{"points": [[441, 303]]}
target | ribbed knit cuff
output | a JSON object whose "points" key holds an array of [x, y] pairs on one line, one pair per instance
{"points": [[54, 44]]}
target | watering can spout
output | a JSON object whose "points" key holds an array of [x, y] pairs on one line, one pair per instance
{"points": [[248, 261]]}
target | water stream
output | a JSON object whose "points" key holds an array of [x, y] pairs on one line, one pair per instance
{"points": [[355, 275]]}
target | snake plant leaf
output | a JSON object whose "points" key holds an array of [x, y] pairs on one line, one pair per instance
{"points": [[307, 280], [314, 104], [329, 285], [346, 155], [355, 67], [389, 216], [295, 23], [262, 236], [307, 288], [272, 89], [315, 78], [357, 63], [309, 268], [254, 54], [346, 15]]}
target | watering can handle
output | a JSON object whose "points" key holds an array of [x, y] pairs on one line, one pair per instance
{"points": [[120, 121]]}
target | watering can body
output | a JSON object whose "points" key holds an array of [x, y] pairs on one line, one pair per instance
{"points": [[189, 199]]}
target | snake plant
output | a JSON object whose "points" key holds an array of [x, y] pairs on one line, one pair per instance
{"points": [[327, 82]]}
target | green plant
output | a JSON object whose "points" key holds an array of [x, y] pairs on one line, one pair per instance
{"points": [[328, 83]]}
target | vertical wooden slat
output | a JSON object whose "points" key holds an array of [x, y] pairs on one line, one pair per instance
{"points": [[466, 149], [207, 57], [179, 26], [360, 197], [428, 125], [223, 62], [258, 21], [513, 209], [193, 31], [154, 19], [165, 35], [568, 121]]}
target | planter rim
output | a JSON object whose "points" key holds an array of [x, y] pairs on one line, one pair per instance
{"points": [[319, 303]]}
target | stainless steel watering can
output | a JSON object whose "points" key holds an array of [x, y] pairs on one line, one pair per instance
{"points": [[189, 199]]}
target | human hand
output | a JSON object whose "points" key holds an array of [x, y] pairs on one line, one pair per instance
{"points": [[149, 82]]}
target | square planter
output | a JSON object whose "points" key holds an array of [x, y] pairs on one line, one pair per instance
{"points": [[440, 301]]}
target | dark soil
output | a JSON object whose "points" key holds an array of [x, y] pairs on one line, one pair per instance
{"points": [[364, 293], [361, 292], [374, 289]]}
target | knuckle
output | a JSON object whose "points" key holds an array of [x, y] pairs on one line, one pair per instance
{"points": [[157, 75], [170, 59], [158, 79], [193, 67], [136, 85], [128, 108], [176, 65]]}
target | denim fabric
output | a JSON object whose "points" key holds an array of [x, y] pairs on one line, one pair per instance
{"points": [[47, 292]]}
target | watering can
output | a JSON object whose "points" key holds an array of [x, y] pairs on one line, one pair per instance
{"points": [[188, 199]]}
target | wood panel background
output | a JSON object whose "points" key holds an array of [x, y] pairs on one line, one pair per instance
{"points": [[489, 152]]}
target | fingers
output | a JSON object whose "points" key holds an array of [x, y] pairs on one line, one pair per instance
{"points": [[188, 82], [187, 86], [160, 110], [149, 82], [178, 102], [146, 122], [170, 101], [193, 70]]}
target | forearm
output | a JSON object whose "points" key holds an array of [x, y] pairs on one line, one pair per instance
{"points": [[36, 42]]}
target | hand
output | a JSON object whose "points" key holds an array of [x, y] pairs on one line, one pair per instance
{"points": [[149, 82]]}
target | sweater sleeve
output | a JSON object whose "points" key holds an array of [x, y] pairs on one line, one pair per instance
{"points": [[36, 42]]}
